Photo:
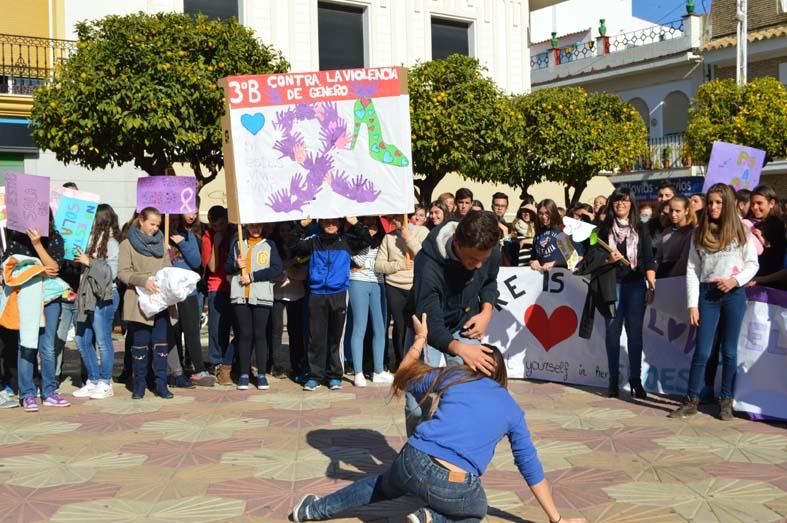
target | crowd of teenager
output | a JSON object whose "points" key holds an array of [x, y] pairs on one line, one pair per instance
{"points": [[341, 283]]}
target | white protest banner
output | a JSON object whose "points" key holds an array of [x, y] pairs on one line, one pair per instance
{"points": [[536, 324], [324, 144]]}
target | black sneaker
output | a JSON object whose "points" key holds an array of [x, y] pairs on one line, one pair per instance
{"points": [[181, 381], [301, 510]]}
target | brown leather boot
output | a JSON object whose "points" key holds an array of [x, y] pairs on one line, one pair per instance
{"points": [[689, 408], [223, 376], [725, 409]]}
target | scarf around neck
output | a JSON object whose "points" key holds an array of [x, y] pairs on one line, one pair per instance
{"points": [[623, 232], [146, 245]]}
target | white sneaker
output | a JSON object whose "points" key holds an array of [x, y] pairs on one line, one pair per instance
{"points": [[103, 391], [382, 377], [359, 380], [86, 391]]}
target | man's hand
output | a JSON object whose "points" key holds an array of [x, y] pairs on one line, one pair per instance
{"points": [[476, 326], [477, 357], [306, 222], [352, 220]]}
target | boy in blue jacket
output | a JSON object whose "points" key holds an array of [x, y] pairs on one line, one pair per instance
{"points": [[330, 254]]}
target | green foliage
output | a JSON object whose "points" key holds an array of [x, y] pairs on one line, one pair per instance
{"points": [[454, 115], [142, 88], [573, 135], [754, 115]]}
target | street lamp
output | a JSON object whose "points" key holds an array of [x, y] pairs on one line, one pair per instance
{"points": [[742, 52]]}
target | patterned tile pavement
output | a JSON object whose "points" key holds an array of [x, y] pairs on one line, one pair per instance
{"points": [[225, 455]]}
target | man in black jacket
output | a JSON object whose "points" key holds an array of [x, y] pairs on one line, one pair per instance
{"points": [[456, 286]]}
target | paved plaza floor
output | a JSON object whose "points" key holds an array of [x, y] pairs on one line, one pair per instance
{"points": [[219, 454]]}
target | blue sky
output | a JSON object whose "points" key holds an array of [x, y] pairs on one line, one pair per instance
{"points": [[659, 11]]}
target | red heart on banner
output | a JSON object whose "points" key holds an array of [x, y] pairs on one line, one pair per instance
{"points": [[550, 330]]}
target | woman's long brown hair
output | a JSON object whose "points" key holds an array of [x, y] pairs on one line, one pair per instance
{"points": [[715, 236], [447, 376], [104, 228]]}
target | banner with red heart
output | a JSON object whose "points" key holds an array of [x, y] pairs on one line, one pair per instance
{"points": [[551, 330]]}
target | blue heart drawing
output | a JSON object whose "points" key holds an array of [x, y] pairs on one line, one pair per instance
{"points": [[387, 157], [253, 122], [375, 148], [359, 113]]}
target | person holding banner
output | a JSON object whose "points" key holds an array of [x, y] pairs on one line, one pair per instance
{"points": [[252, 269], [443, 461], [635, 286], [96, 303], [141, 256], [50, 251], [330, 254], [722, 260], [546, 251]]}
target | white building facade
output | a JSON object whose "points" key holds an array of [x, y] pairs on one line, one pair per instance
{"points": [[315, 35]]}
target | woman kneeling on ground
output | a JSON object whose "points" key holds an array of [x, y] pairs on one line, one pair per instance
{"points": [[443, 460]]}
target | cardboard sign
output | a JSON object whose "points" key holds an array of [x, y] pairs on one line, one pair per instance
{"points": [[27, 202], [76, 211], [167, 194], [735, 165], [325, 144]]}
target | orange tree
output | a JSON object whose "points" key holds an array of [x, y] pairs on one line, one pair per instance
{"points": [[142, 88], [571, 136], [754, 115]]}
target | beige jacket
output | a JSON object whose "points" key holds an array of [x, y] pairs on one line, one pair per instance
{"points": [[134, 269], [391, 256]]}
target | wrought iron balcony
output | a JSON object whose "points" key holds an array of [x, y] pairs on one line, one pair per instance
{"points": [[649, 35], [27, 62], [608, 45], [664, 153]]}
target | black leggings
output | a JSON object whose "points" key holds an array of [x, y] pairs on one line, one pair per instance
{"points": [[293, 359], [187, 329], [252, 323], [397, 302]]}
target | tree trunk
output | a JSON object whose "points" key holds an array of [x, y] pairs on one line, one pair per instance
{"points": [[524, 195], [578, 190], [426, 186], [566, 197]]}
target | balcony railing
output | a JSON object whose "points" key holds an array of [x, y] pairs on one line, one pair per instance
{"points": [[607, 45], [649, 35], [664, 153], [27, 62]]}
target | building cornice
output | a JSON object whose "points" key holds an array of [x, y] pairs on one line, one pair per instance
{"points": [[16, 105]]}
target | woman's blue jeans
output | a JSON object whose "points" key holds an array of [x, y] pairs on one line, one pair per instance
{"points": [[629, 311], [26, 358], [724, 311], [366, 298], [98, 327], [412, 473]]}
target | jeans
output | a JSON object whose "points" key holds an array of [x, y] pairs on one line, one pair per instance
{"points": [[412, 473], [219, 324], [68, 319], [413, 412], [629, 310], [98, 325], [724, 311], [365, 298], [26, 358]]}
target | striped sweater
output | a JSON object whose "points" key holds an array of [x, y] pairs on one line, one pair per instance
{"points": [[365, 261]]}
